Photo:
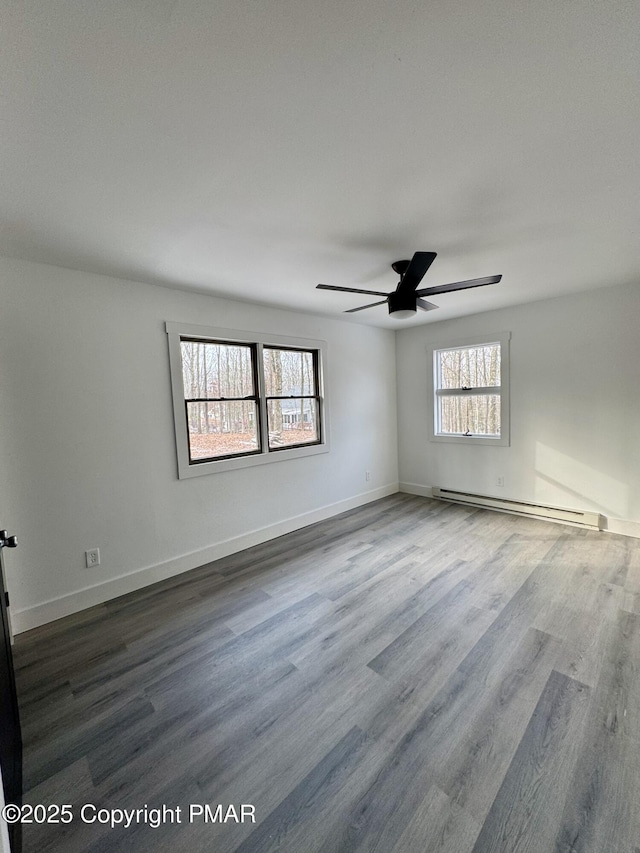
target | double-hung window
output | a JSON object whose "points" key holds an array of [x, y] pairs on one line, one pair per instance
{"points": [[470, 391], [243, 399]]}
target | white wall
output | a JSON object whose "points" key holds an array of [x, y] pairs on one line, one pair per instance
{"points": [[87, 439], [575, 406]]}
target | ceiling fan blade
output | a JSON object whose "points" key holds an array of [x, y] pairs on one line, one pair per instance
{"points": [[418, 265], [362, 307], [349, 289], [426, 306], [459, 285]]}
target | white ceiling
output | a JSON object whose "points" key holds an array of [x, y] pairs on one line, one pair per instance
{"points": [[253, 149]]}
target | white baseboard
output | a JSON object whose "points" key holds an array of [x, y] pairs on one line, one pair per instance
{"points": [[65, 605], [622, 526], [415, 489]]}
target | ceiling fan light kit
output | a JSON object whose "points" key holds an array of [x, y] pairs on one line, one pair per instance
{"points": [[405, 300], [402, 305]]}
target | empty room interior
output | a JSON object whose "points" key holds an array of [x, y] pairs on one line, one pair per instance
{"points": [[319, 427]]}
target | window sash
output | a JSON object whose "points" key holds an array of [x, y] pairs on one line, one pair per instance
{"points": [[224, 343], [440, 366], [485, 410], [316, 418], [314, 366], [199, 460]]}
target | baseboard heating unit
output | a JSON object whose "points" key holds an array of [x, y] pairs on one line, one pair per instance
{"points": [[592, 520]]}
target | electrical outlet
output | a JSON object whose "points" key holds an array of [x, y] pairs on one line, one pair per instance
{"points": [[367, 475], [499, 481], [92, 557]]}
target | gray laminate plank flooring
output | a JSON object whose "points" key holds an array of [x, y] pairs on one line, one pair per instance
{"points": [[408, 676]]}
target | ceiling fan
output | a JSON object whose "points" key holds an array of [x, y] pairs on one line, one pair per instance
{"points": [[406, 299]]}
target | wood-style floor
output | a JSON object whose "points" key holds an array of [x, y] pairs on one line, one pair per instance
{"points": [[410, 676]]}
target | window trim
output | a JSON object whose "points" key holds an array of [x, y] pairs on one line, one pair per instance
{"points": [[502, 338], [186, 468]]}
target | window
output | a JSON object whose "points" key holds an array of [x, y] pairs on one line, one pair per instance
{"points": [[470, 392], [243, 400]]}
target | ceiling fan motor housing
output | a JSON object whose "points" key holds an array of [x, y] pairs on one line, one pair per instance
{"points": [[399, 301]]}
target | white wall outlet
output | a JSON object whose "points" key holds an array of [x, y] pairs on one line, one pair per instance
{"points": [[499, 481], [367, 475], [92, 557]]}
